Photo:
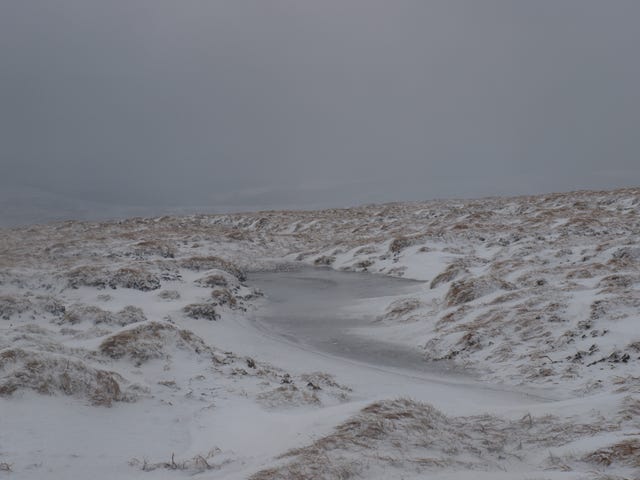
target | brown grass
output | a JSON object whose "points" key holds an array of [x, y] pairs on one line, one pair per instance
{"points": [[288, 395], [151, 340], [100, 277], [400, 243], [223, 296], [210, 281], [89, 313], [400, 436], [13, 305], [134, 278], [212, 262], [626, 453], [468, 290], [449, 274], [48, 374], [399, 309], [154, 247], [205, 311]]}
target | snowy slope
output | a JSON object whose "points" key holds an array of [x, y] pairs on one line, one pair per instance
{"points": [[129, 346]]}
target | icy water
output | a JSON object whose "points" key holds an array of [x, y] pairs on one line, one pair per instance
{"points": [[324, 311], [311, 307]]}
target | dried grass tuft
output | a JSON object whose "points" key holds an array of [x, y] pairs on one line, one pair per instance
{"points": [[399, 309], [48, 374], [100, 277], [204, 311], [396, 436], [213, 280], [151, 340], [76, 314], [626, 453], [199, 264], [468, 290], [452, 272], [146, 248]]}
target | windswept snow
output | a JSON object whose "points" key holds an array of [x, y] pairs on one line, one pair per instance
{"points": [[506, 345]]}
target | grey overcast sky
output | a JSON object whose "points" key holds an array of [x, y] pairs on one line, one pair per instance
{"points": [[301, 103]]}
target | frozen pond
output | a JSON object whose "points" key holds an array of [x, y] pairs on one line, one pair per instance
{"points": [[311, 307], [327, 312]]}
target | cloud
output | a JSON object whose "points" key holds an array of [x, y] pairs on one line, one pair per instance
{"points": [[237, 103]]}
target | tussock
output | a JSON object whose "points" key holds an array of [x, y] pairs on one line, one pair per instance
{"points": [[626, 256], [169, 295], [452, 272], [468, 290], [214, 280], [289, 396], [400, 243], [99, 277], [76, 314], [204, 311], [16, 305], [616, 282], [13, 305], [626, 452], [87, 276], [199, 264], [223, 296], [148, 248], [400, 309], [49, 374], [325, 260], [135, 278], [389, 438], [32, 336], [151, 340], [630, 406]]}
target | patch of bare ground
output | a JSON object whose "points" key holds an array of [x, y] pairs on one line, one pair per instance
{"points": [[48, 374]]}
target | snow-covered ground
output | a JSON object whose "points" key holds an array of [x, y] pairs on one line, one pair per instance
{"points": [[507, 346]]}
